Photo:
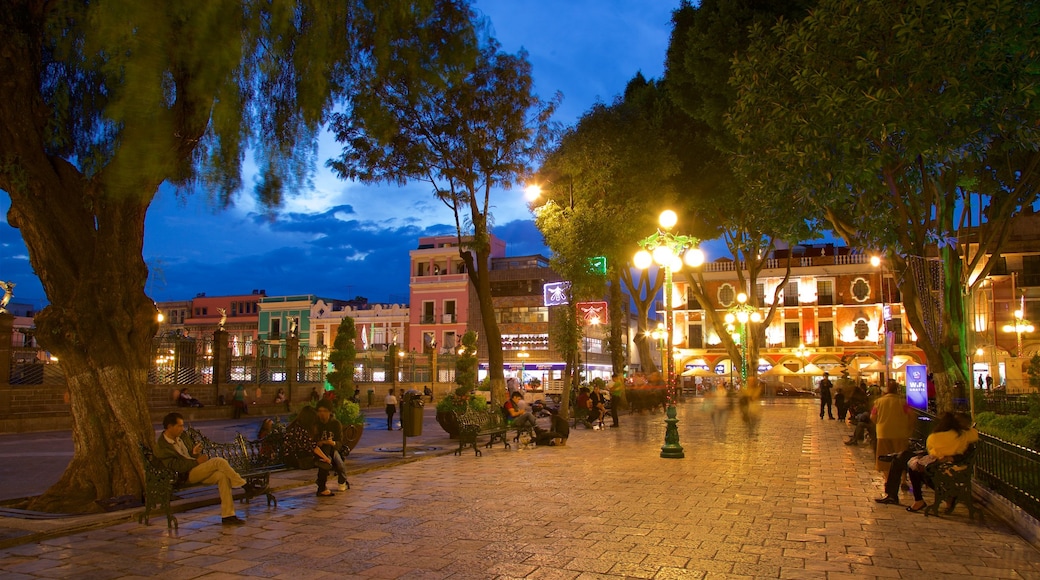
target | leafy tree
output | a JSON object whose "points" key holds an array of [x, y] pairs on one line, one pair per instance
{"points": [[698, 67], [913, 126], [617, 169], [466, 364], [101, 103], [342, 358], [465, 132]]}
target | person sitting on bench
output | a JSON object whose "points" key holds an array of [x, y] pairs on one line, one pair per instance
{"points": [[520, 417], [178, 452]]}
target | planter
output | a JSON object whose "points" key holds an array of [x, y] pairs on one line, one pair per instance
{"points": [[352, 435], [448, 422]]}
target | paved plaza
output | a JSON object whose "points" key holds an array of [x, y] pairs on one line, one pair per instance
{"points": [[792, 503]]}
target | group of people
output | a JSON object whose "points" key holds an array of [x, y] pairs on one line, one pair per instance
{"points": [[891, 422]]}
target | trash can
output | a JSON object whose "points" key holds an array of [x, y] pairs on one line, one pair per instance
{"points": [[412, 413], [371, 397]]}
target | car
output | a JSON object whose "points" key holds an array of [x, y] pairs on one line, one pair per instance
{"points": [[789, 391]]}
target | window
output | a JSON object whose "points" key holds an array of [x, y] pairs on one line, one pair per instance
{"points": [[321, 338], [726, 295], [449, 312], [792, 334], [824, 292], [760, 292], [1030, 272], [695, 334], [276, 327], [522, 314], [826, 333], [427, 312], [896, 326], [449, 340], [860, 290], [791, 294]]}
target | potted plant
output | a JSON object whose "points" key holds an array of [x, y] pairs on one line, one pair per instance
{"points": [[349, 415], [463, 398]]}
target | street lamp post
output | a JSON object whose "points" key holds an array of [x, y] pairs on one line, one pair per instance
{"points": [[742, 313], [886, 314], [522, 357], [1020, 326], [669, 251]]}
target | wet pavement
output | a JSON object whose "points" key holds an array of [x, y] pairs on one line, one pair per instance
{"points": [[792, 502]]}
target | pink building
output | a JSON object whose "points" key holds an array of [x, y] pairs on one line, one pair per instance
{"points": [[441, 295]]}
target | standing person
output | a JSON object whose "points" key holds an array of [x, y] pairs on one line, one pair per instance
{"points": [[617, 392], [178, 452], [894, 421], [357, 395], [750, 409], [825, 396], [391, 408], [238, 401], [315, 397], [719, 406]]}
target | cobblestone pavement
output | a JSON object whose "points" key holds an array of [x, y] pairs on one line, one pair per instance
{"points": [[792, 502]]}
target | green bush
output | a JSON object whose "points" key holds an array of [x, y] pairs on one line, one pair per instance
{"points": [[460, 403], [1017, 429]]}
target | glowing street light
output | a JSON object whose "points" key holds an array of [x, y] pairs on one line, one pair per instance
{"points": [[1020, 326], [669, 251]]}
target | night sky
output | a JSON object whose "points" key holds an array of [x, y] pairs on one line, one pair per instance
{"points": [[341, 239]]}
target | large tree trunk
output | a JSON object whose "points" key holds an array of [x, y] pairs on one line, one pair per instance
{"points": [[85, 244], [99, 325], [478, 266]]}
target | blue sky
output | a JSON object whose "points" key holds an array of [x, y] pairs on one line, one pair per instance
{"points": [[341, 239]]}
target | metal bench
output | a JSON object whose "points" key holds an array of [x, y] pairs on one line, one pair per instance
{"points": [[473, 424], [255, 461], [951, 481]]}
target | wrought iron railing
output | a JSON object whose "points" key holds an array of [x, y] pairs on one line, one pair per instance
{"points": [[1010, 470]]}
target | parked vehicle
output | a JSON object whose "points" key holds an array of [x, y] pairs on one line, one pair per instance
{"points": [[789, 391]]}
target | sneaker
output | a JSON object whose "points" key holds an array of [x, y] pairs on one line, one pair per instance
{"points": [[232, 521], [343, 486]]}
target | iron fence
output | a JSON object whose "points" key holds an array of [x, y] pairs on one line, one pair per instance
{"points": [[1010, 470], [34, 366]]}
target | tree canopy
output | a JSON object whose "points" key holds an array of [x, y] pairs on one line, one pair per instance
{"points": [[908, 124]]}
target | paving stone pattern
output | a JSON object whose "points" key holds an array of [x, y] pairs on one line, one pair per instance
{"points": [[792, 502]]}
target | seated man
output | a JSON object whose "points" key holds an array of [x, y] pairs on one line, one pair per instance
{"points": [[519, 417], [864, 427], [558, 431], [178, 452]]}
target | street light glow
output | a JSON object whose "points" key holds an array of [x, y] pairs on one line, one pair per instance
{"points": [[668, 219], [663, 255], [532, 192], [694, 257], [643, 259], [875, 261]]}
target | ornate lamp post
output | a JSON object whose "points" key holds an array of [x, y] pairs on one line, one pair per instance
{"points": [[669, 251], [742, 313], [1021, 325]]}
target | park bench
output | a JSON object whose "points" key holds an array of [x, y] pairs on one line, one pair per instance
{"points": [[473, 424], [951, 481], [255, 461]]}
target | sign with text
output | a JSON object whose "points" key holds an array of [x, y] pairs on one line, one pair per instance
{"points": [[917, 386], [593, 312], [555, 293]]}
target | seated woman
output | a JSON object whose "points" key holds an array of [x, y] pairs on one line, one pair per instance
{"points": [[186, 400], [952, 436]]}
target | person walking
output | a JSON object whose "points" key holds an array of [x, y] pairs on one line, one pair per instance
{"points": [[238, 401], [825, 396], [617, 393], [391, 408], [894, 422]]}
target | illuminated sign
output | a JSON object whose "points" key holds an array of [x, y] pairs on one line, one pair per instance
{"points": [[555, 293], [917, 386], [593, 312], [598, 265]]}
